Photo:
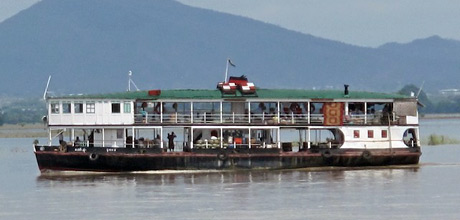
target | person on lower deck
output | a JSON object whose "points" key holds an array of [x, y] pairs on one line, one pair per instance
{"points": [[77, 142], [171, 141], [157, 141]]}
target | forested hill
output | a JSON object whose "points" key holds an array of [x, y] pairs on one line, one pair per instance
{"points": [[89, 46]]}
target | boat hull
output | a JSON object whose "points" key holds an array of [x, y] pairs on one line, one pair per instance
{"points": [[129, 160]]}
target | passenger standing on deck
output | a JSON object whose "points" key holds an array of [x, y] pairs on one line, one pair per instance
{"points": [[77, 142], [171, 141]]}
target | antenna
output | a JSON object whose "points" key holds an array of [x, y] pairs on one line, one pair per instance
{"points": [[46, 88], [226, 71], [129, 80], [130, 73], [420, 89], [226, 68]]}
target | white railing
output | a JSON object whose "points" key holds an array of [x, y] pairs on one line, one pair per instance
{"points": [[317, 119], [259, 118], [205, 117], [235, 118], [359, 119], [215, 144], [176, 118]]}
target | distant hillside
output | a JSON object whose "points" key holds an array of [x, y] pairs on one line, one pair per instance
{"points": [[89, 46]]}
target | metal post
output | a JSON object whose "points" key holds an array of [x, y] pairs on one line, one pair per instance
{"points": [[249, 136], [249, 112], [278, 112], [365, 112], [191, 134], [103, 137], [50, 137], [221, 117], [161, 138], [191, 112], [161, 112], [389, 133], [346, 112], [279, 138], [124, 136], [221, 138]]}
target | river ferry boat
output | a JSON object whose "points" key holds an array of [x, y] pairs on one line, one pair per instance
{"points": [[236, 126]]}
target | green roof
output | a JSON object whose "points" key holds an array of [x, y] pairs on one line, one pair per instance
{"points": [[275, 94]]}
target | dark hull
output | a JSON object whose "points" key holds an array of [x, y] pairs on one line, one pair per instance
{"points": [[127, 160]]}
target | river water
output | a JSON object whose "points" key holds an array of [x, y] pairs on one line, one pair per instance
{"points": [[429, 190]]}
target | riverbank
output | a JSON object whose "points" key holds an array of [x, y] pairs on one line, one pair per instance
{"points": [[440, 116], [23, 131]]}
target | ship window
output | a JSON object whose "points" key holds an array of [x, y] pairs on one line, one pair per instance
{"points": [[66, 107], [78, 107], [90, 107], [115, 107], [410, 138], [127, 107], [384, 133], [55, 108], [356, 133], [370, 133]]}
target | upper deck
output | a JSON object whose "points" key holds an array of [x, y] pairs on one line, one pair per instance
{"points": [[212, 107]]}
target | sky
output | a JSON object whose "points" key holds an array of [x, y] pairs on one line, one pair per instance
{"points": [[369, 23]]}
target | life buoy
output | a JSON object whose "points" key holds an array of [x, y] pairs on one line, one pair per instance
{"points": [[93, 156], [222, 156], [366, 155], [326, 154]]}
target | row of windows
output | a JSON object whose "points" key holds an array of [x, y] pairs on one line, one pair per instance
{"points": [[370, 134], [90, 107]]}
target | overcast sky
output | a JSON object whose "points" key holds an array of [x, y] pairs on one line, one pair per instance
{"points": [[359, 22]]}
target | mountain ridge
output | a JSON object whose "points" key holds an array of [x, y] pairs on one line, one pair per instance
{"points": [[89, 46]]}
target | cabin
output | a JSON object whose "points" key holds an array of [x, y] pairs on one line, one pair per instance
{"points": [[242, 118]]}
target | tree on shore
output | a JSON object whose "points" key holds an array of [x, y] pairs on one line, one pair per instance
{"points": [[422, 97]]}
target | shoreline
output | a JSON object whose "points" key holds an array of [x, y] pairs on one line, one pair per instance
{"points": [[440, 116], [36, 130]]}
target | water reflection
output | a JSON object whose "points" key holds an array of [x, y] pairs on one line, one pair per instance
{"points": [[316, 176]]}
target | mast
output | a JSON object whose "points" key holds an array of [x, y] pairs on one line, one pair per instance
{"points": [[130, 73], [46, 88], [226, 71], [226, 68]]}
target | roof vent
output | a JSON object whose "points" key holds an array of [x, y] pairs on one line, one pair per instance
{"points": [[345, 92]]}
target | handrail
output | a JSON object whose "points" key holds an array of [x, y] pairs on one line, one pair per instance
{"points": [[261, 118]]}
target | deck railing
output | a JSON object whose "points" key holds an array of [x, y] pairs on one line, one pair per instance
{"points": [[261, 118]]}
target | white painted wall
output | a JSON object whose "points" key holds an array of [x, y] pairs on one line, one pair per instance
{"points": [[103, 114], [377, 142]]}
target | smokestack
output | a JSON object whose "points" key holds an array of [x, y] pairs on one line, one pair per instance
{"points": [[346, 89]]}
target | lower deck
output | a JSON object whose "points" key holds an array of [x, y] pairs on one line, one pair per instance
{"points": [[134, 159], [178, 139]]}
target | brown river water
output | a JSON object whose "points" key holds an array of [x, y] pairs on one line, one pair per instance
{"points": [[430, 190]]}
